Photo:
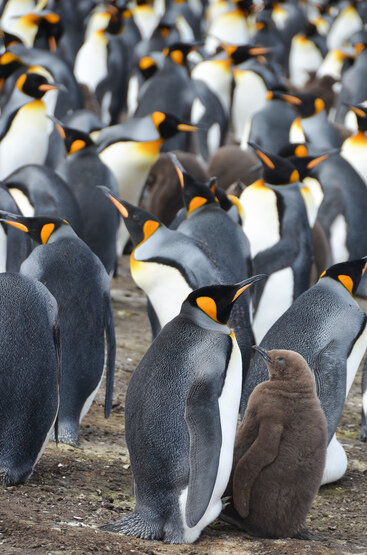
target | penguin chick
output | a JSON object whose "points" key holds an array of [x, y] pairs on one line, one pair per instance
{"points": [[280, 450], [77, 279], [180, 429]]}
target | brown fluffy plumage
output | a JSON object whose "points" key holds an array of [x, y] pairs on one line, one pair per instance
{"points": [[279, 453]]}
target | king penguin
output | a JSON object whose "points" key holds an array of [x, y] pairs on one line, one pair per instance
{"points": [[315, 327], [80, 284], [277, 227], [354, 148], [180, 430], [29, 374]]}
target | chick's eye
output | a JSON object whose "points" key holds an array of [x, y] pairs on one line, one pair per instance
{"points": [[280, 360]]}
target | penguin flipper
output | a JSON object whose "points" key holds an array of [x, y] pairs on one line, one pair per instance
{"points": [[57, 342], [262, 453], [203, 420], [111, 353], [363, 433]]}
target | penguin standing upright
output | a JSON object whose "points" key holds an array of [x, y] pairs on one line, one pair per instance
{"points": [[82, 170], [354, 148], [180, 430], [315, 326], [24, 129], [277, 226], [80, 284], [29, 374]]}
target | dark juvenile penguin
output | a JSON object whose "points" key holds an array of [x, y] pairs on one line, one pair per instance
{"points": [[231, 163], [280, 450], [327, 327], [181, 412], [29, 374], [82, 170], [80, 284]]}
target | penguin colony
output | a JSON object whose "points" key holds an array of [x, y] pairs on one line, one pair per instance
{"points": [[265, 107]]}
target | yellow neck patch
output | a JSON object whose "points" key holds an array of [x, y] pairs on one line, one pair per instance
{"points": [[347, 282], [208, 305], [195, 203], [46, 232], [150, 148]]}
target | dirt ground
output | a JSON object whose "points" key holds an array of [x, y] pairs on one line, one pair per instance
{"points": [[73, 491]]}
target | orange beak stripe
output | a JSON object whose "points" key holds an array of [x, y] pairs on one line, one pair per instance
{"points": [[18, 225], [265, 159], [120, 207]]}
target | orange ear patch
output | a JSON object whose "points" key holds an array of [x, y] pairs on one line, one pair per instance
{"points": [[158, 118], [77, 145], [149, 228], [208, 305], [347, 282], [300, 150], [46, 231], [195, 203], [294, 176]]}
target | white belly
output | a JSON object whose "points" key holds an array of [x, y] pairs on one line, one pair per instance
{"points": [[249, 97], [338, 240], [23, 202], [90, 66], [355, 357], [356, 154], [26, 141], [228, 406], [336, 462], [3, 249], [277, 297], [164, 285]]}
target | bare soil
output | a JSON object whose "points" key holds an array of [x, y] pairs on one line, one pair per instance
{"points": [[73, 491]]}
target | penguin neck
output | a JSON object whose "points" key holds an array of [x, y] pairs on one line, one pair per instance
{"points": [[63, 232], [201, 319]]}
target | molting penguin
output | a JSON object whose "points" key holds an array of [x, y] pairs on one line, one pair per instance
{"points": [[273, 489], [314, 326], [29, 374], [194, 373], [80, 284]]}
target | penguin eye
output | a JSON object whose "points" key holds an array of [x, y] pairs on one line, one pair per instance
{"points": [[280, 360]]}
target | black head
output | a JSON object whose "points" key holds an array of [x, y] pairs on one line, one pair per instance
{"points": [[40, 228], [293, 149], [168, 125], [9, 63], [243, 52], [305, 164], [178, 52], [217, 301], [34, 84], [277, 170], [195, 194], [361, 114], [140, 224], [74, 139], [349, 273], [306, 104], [147, 66], [286, 365], [50, 26]]}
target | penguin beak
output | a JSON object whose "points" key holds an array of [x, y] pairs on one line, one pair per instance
{"points": [[243, 285], [263, 353], [356, 109], [321, 158], [120, 207], [178, 167], [58, 125], [16, 224], [186, 127]]}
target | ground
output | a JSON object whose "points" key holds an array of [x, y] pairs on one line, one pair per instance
{"points": [[73, 491]]}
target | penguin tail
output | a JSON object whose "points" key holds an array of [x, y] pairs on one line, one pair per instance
{"points": [[111, 354], [134, 525]]}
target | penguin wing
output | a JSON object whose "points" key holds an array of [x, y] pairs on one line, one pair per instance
{"points": [[203, 420], [5, 121], [111, 352]]}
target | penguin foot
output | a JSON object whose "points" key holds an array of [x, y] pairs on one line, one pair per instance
{"points": [[231, 516], [363, 434], [134, 525], [306, 534]]}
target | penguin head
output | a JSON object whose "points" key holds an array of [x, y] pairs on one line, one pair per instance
{"points": [[306, 104], [361, 114], [9, 63], [241, 53], [34, 84], [178, 52], [195, 193], [349, 273], [74, 139], [293, 149], [217, 301], [50, 26], [147, 67], [140, 224], [284, 365], [277, 170], [40, 228], [305, 164], [168, 125]]}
